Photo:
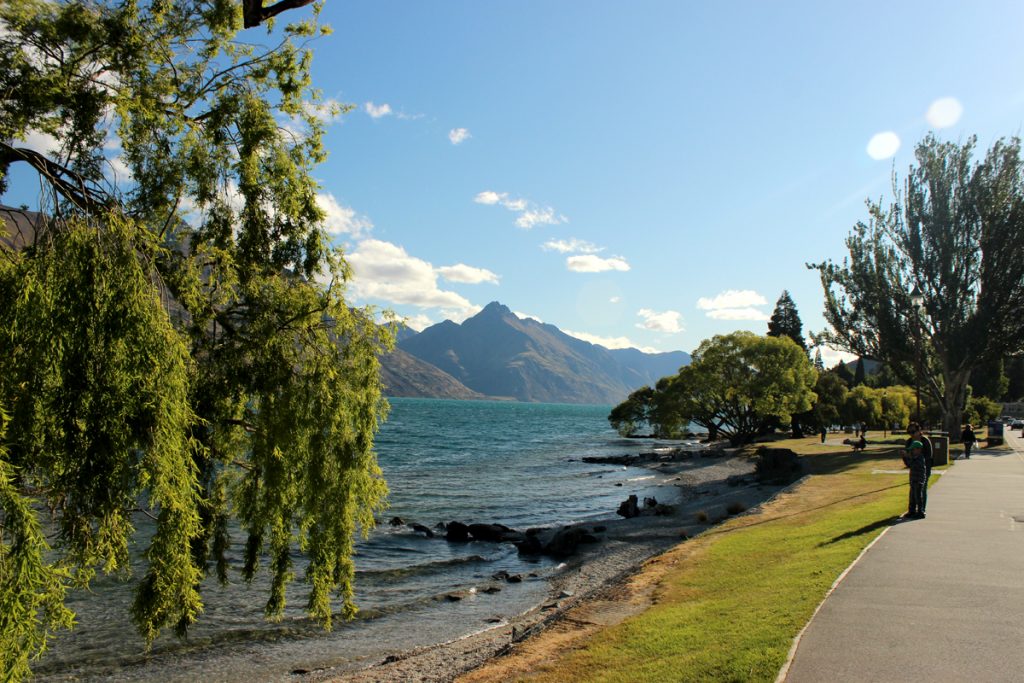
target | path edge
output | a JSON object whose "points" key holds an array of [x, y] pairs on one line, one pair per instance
{"points": [[784, 671]]}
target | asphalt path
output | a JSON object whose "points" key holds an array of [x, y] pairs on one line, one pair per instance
{"points": [[937, 599]]}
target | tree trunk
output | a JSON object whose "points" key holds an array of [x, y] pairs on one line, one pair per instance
{"points": [[953, 400]]}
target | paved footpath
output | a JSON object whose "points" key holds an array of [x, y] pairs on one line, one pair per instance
{"points": [[938, 599]]}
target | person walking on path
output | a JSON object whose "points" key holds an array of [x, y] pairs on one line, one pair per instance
{"points": [[913, 458], [968, 438], [824, 433]]}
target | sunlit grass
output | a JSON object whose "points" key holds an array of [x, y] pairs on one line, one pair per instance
{"points": [[730, 601]]}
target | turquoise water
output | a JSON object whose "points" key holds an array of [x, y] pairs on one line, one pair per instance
{"points": [[517, 464]]}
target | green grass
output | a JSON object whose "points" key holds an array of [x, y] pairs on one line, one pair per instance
{"points": [[731, 601]]}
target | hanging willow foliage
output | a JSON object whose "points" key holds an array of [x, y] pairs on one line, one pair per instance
{"points": [[175, 340]]}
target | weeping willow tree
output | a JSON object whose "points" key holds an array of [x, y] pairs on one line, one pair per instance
{"points": [[174, 337], [953, 236]]}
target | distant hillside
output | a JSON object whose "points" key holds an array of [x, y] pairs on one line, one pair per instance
{"points": [[405, 375], [499, 355]]}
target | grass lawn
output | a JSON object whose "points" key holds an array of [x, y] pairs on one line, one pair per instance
{"points": [[729, 602]]}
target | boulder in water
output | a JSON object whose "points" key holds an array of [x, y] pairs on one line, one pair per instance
{"points": [[530, 545], [566, 540], [493, 532], [456, 531], [628, 508]]}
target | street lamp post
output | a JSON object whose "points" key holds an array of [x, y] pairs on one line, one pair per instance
{"points": [[917, 301], [885, 413]]}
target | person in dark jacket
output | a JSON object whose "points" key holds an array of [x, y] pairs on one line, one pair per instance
{"points": [[968, 438], [916, 433], [913, 458]]}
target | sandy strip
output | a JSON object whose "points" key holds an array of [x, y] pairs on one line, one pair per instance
{"points": [[600, 586]]}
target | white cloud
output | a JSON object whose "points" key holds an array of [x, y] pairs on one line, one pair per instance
{"points": [[883, 145], [37, 141], [384, 271], [545, 216], [489, 197], [328, 111], [418, 322], [460, 272], [666, 321], [527, 316], [615, 300], [571, 246], [732, 298], [377, 111], [341, 219], [529, 213], [831, 357], [738, 314], [610, 342], [588, 263], [458, 135], [944, 112], [734, 304], [119, 169]]}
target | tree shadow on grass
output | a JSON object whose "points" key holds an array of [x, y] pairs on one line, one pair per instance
{"points": [[838, 461]]}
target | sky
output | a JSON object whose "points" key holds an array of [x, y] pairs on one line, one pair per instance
{"points": [[643, 174]]}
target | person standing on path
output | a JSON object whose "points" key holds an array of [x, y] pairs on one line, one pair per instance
{"points": [[968, 438], [917, 434], [824, 433], [913, 458]]}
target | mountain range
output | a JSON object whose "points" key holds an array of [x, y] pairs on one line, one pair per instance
{"points": [[495, 354]]}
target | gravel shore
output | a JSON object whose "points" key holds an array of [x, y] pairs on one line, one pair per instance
{"points": [[702, 490]]}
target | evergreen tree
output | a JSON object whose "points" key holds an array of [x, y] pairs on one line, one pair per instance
{"points": [[859, 374], [819, 364], [176, 338], [785, 321], [843, 373], [1015, 379]]}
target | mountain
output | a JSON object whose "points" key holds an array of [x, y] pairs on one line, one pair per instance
{"points": [[405, 375], [648, 368], [500, 355]]}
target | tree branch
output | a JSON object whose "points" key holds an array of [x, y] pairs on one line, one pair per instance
{"points": [[69, 184], [254, 13]]}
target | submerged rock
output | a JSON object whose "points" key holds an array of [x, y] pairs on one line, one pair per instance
{"points": [[422, 529]]}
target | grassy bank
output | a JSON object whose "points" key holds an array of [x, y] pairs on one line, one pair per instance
{"points": [[727, 604]]}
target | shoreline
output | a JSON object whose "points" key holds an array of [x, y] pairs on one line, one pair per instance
{"points": [[701, 487]]}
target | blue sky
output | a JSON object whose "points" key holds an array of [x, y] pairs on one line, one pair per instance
{"points": [[644, 173]]}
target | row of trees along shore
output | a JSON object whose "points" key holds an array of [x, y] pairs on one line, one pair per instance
{"points": [[932, 289], [176, 343]]}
